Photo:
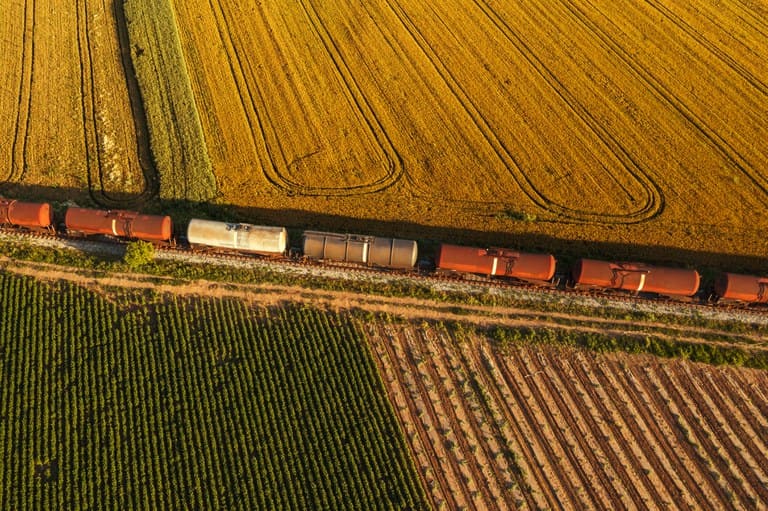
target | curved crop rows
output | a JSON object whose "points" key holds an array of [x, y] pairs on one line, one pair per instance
{"points": [[563, 429]]}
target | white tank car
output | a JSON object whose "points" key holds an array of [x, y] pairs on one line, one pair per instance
{"points": [[256, 239]]}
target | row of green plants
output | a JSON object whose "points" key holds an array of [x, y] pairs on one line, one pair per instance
{"points": [[664, 347], [175, 131], [123, 400]]}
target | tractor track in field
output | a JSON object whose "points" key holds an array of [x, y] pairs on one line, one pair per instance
{"points": [[264, 132], [710, 136], [651, 204], [23, 112], [714, 49]]}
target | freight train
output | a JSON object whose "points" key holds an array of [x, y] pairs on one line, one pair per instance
{"points": [[389, 253]]}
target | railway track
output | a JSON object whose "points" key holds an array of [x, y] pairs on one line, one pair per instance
{"points": [[472, 283]]}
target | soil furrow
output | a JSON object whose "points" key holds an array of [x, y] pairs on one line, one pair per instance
{"points": [[576, 423], [451, 359], [527, 373], [452, 410], [628, 434], [398, 371], [438, 427], [670, 458], [686, 433], [597, 418], [713, 427], [548, 454]]}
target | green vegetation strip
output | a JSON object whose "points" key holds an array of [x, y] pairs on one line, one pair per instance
{"points": [[176, 134], [135, 400]]}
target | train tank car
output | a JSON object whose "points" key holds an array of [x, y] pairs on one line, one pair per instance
{"points": [[256, 239], [741, 288], [30, 215], [123, 224], [361, 249], [635, 277], [499, 262]]}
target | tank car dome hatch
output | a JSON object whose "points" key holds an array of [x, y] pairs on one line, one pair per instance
{"points": [[496, 262]]}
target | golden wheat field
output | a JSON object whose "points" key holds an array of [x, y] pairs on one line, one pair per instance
{"points": [[542, 124], [627, 122], [65, 110]]}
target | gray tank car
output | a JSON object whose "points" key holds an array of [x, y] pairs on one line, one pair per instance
{"points": [[254, 239], [361, 249]]}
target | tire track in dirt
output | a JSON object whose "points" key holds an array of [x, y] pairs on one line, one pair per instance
{"points": [[733, 158], [711, 425], [664, 457], [23, 112], [680, 427], [386, 342], [712, 48], [627, 437], [651, 204]]}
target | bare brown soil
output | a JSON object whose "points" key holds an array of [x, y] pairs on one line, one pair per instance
{"points": [[566, 429]]}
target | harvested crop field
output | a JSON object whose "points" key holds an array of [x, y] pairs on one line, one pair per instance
{"points": [[631, 123], [548, 428], [65, 110]]}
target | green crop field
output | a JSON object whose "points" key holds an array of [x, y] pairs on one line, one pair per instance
{"points": [[134, 400]]}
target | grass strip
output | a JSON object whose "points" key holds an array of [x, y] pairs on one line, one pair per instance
{"points": [[175, 132]]}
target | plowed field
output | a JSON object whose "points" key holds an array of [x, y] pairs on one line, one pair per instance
{"points": [[629, 122], [65, 113], [549, 428]]}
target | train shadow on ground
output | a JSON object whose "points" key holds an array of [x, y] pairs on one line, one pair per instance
{"points": [[565, 250]]}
